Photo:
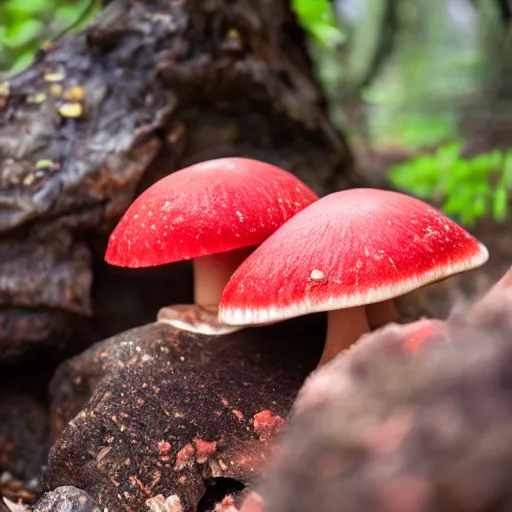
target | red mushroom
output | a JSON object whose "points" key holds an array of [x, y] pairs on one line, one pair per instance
{"points": [[346, 251], [211, 213]]}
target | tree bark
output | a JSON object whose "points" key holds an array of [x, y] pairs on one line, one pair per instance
{"points": [[148, 88]]}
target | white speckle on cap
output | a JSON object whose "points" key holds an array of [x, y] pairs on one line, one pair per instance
{"points": [[317, 275], [240, 216]]}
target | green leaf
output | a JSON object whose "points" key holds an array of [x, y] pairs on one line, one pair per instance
{"points": [[481, 164], [22, 33], [506, 176], [455, 205], [318, 18], [418, 174], [420, 130], [478, 207], [456, 171], [22, 61], [500, 203], [449, 152], [26, 24], [463, 184], [25, 8]]}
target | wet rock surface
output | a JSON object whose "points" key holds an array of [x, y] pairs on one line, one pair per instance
{"points": [[384, 427], [172, 413]]}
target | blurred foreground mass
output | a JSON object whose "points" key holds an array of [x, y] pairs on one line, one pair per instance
{"points": [[399, 425]]}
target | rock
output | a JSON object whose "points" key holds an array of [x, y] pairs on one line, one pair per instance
{"points": [[160, 412], [8, 506], [384, 428], [45, 266], [3, 505], [24, 435], [17, 490], [66, 499]]}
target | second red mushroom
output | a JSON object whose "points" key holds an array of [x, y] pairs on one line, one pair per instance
{"points": [[350, 253]]}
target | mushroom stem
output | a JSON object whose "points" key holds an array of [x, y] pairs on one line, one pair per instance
{"points": [[381, 313], [211, 273], [344, 327]]}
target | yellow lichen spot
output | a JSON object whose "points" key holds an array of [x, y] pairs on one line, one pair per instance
{"points": [[55, 90], [29, 179], [5, 89], [234, 34], [55, 76], [166, 18], [37, 98], [75, 93], [71, 110], [44, 163]]}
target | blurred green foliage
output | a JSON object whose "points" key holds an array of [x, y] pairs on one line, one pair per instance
{"points": [[467, 188], [25, 25], [407, 76], [317, 17]]}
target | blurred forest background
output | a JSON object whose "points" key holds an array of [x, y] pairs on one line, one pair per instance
{"points": [[421, 88]]}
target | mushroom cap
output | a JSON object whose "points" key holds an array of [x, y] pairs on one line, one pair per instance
{"points": [[350, 248], [207, 208]]}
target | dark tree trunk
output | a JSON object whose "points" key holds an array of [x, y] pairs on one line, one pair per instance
{"points": [[165, 83]]}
